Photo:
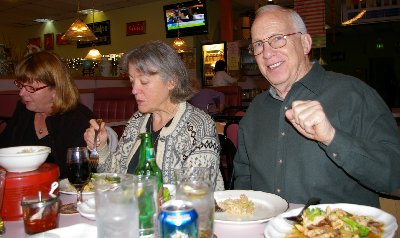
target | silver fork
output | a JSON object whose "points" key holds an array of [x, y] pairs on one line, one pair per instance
{"points": [[94, 155]]}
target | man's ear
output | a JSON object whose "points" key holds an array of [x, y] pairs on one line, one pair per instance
{"points": [[306, 41]]}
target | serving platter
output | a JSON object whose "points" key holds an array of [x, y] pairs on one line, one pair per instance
{"points": [[279, 227]]}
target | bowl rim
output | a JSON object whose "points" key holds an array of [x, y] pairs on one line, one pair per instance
{"points": [[41, 150]]}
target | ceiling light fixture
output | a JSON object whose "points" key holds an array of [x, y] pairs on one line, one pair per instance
{"points": [[179, 44], [79, 31], [94, 54]]}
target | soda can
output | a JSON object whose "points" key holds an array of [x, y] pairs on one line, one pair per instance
{"points": [[178, 219]]}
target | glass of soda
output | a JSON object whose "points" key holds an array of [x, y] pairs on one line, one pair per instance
{"points": [[201, 194]]}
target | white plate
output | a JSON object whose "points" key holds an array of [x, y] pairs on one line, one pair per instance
{"points": [[267, 205], [66, 188], [279, 227], [75, 231], [88, 209]]}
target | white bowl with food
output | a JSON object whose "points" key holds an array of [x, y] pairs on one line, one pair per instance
{"points": [[357, 215], [23, 158], [246, 212]]}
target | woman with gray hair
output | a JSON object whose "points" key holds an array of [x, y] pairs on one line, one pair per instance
{"points": [[183, 135]]}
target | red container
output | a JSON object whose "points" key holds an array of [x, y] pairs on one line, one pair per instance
{"points": [[18, 185]]}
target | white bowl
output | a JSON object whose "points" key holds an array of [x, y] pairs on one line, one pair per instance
{"points": [[267, 206], [23, 158]]}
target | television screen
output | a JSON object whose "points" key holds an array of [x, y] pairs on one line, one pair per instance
{"points": [[190, 17]]}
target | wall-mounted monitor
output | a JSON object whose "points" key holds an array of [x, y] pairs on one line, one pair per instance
{"points": [[190, 17]]}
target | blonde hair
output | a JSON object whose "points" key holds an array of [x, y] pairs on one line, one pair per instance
{"points": [[47, 68]]}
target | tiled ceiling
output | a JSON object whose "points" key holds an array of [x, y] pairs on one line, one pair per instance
{"points": [[20, 13]]}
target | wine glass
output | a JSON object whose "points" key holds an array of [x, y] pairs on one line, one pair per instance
{"points": [[78, 169]]}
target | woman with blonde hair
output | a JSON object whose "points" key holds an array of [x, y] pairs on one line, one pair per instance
{"points": [[49, 112]]}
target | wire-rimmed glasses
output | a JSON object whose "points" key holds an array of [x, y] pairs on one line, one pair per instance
{"points": [[28, 88], [275, 41]]}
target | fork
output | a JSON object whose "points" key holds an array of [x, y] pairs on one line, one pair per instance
{"points": [[298, 218], [217, 207], [94, 155]]}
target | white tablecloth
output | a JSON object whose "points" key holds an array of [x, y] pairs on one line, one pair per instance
{"points": [[15, 229]]}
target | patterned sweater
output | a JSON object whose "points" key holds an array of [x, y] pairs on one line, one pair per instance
{"points": [[190, 140]]}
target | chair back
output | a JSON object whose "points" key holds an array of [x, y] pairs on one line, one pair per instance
{"points": [[227, 155], [231, 132]]}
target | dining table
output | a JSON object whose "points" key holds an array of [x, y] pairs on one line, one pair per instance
{"points": [[15, 229]]}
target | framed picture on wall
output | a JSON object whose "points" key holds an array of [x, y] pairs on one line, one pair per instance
{"points": [[34, 41], [49, 41], [60, 41], [136, 28], [102, 31]]}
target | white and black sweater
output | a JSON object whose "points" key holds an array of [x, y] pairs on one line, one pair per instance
{"points": [[191, 140]]}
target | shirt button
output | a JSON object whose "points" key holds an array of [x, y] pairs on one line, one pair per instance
{"points": [[162, 139], [334, 155], [278, 190], [280, 161], [283, 133], [286, 108]]}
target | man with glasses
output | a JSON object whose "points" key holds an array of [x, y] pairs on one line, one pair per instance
{"points": [[314, 133], [49, 112]]}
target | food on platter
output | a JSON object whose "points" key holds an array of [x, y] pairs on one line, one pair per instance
{"points": [[69, 188], [336, 222], [241, 206]]}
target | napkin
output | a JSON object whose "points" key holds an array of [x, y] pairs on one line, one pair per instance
{"points": [[80, 230]]}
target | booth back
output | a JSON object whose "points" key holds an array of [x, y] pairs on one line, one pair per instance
{"points": [[112, 104]]}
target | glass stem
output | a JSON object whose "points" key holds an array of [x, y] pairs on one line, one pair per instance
{"points": [[79, 196]]}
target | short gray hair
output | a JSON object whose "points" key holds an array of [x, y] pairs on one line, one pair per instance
{"points": [[297, 21], [156, 57]]}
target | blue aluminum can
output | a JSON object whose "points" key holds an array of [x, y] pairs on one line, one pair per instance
{"points": [[178, 219]]}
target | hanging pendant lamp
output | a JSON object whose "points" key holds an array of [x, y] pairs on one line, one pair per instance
{"points": [[93, 54], [79, 31], [179, 44]]}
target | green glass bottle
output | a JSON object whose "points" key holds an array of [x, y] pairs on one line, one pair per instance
{"points": [[147, 163]]}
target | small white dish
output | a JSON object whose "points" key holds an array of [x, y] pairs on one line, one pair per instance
{"points": [[279, 227], [88, 209]]}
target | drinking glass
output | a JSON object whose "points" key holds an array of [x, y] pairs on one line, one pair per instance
{"points": [[192, 174], [78, 169], [201, 195], [117, 214], [148, 205], [194, 185]]}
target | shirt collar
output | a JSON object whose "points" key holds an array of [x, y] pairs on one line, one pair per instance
{"points": [[311, 81]]}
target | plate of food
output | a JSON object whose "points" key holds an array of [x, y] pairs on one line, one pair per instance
{"points": [[351, 221], [67, 188], [247, 206]]}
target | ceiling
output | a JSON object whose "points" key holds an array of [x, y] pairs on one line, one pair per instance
{"points": [[20, 13]]}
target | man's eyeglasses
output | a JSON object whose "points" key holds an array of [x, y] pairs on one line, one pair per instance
{"points": [[28, 87], [275, 41]]}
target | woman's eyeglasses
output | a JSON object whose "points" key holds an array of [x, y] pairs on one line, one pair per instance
{"points": [[28, 88]]}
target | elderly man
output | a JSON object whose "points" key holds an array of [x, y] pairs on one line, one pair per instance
{"points": [[314, 133]]}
